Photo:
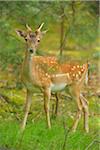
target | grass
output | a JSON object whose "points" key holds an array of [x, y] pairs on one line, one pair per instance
{"points": [[38, 137]]}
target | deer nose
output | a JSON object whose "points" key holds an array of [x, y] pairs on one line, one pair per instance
{"points": [[31, 50]]}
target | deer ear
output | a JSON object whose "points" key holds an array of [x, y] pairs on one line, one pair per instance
{"points": [[44, 32], [21, 33]]}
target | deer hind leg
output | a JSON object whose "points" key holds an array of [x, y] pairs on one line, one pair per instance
{"points": [[27, 108], [57, 102], [79, 112], [85, 111], [47, 95]]}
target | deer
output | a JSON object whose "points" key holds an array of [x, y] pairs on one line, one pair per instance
{"points": [[46, 73]]}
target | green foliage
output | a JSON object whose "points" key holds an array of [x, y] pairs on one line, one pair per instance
{"points": [[81, 24], [84, 28], [36, 136]]}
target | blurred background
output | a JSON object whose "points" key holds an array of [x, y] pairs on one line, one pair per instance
{"points": [[73, 34]]}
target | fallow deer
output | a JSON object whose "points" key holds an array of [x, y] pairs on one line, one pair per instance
{"points": [[49, 75]]}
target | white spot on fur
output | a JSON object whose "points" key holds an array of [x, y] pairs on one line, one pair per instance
{"points": [[77, 76], [73, 75], [79, 72], [78, 66], [74, 67]]}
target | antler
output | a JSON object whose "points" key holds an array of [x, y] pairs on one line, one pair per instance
{"points": [[27, 26], [40, 27]]}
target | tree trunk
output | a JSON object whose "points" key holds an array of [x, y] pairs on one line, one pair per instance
{"points": [[62, 31]]}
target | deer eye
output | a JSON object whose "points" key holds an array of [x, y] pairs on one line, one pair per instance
{"points": [[38, 40], [26, 39]]}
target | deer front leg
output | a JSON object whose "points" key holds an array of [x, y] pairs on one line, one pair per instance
{"points": [[47, 95], [27, 108], [85, 111]]}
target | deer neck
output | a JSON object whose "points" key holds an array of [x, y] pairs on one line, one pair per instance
{"points": [[27, 67], [27, 60]]}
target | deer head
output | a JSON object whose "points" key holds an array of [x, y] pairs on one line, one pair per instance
{"points": [[31, 38]]}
